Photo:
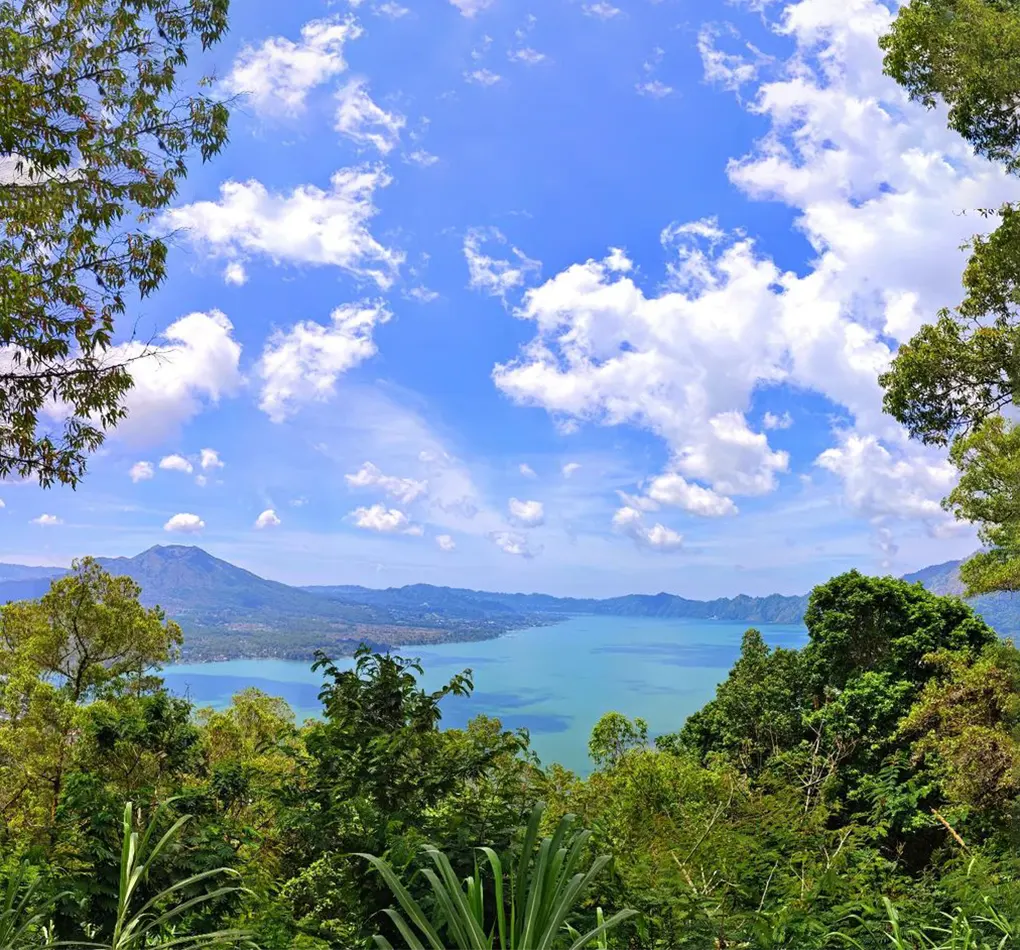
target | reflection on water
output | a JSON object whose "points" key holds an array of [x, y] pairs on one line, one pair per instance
{"points": [[554, 681]]}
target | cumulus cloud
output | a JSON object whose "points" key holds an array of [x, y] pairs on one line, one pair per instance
{"points": [[470, 8], [390, 10], [302, 364], [525, 55], [210, 458], [421, 158], [876, 184], [493, 275], [526, 470], [268, 519], [878, 485], [630, 521], [654, 88], [483, 77], [174, 380], [235, 274], [141, 471], [184, 523], [677, 364], [509, 542], [360, 119], [445, 542], [308, 225], [674, 490], [385, 520], [730, 70], [47, 521], [601, 10], [405, 490], [570, 468], [175, 463], [527, 513], [277, 76], [772, 421]]}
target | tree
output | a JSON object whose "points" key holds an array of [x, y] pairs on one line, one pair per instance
{"points": [[88, 639], [757, 711], [381, 777], [949, 383], [94, 136], [613, 736]]}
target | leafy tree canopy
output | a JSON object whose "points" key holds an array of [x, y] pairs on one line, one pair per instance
{"points": [[95, 132], [951, 381]]}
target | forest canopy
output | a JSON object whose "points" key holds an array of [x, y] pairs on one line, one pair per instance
{"points": [[880, 762]]}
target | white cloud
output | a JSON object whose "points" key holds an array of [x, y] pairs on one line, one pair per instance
{"points": [[175, 463], [277, 76], [302, 364], [184, 523], [876, 184], [471, 8], [210, 458], [422, 158], [877, 485], [630, 521], [570, 468], [48, 521], [360, 119], [141, 471], [527, 513], [268, 519], [483, 77], [391, 10], [175, 380], [235, 274], [445, 542], [655, 88], [601, 10], [201, 480], [509, 542], [422, 294], [675, 490], [493, 275], [2, 505], [385, 520], [730, 70], [772, 421], [525, 55], [526, 470], [405, 490], [678, 364], [306, 226]]}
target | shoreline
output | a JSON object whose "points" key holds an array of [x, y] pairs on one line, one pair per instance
{"points": [[376, 645]]}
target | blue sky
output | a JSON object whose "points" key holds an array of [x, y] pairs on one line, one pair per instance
{"points": [[587, 298]]}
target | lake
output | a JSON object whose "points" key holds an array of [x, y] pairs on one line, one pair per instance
{"points": [[556, 681]]}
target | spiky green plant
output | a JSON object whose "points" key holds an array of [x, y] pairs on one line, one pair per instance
{"points": [[152, 925], [959, 932], [530, 904], [23, 914]]}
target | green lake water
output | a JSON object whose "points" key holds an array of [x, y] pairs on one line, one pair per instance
{"points": [[556, 681]]}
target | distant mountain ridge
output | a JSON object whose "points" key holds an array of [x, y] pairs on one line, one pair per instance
{"points": [[776, 608], [228, 611]]}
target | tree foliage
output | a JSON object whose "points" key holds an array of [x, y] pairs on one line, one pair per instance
{"points": [[878, 763], [950, 382], [95, 132]]}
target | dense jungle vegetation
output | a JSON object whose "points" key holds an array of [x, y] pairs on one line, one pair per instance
{"points": [[879, 763], [862, 791]]}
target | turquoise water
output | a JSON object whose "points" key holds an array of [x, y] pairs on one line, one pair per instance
{"points": [[556, 681]]}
